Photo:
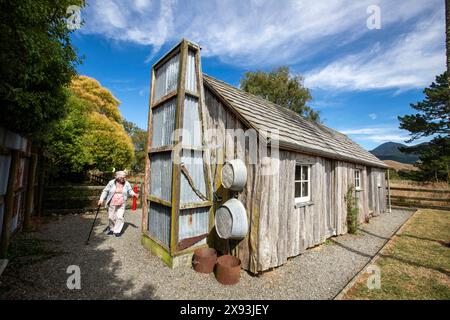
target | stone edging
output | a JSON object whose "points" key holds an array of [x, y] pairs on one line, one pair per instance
{"points": [[352, 282]]}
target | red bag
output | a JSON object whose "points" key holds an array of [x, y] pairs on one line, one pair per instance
{"points": [[135, 189]]}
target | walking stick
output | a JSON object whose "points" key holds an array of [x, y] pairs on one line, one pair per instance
{"points": [[93, 223]]}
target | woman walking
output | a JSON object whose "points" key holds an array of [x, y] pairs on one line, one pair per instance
{"points": [[116, 193]]}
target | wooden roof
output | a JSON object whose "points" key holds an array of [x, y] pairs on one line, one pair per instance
{"points": [[295, 132]]}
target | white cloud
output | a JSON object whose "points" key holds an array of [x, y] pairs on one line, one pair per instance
{"points": [[266, 33], [372, 116], [411, 62], [379, 134]]}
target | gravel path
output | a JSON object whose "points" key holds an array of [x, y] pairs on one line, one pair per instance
{"points": [[120, 268]]}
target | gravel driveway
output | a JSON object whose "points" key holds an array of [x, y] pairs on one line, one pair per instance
{"points": [[120, 268]]}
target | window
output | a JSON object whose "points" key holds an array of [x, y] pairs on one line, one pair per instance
{"points": [[302, 183], [358, 179]]}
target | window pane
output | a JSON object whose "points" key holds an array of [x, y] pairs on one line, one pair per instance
{"points": [[304, 189], [297, 190], [297, 172], [357, 178], [304, 172]]}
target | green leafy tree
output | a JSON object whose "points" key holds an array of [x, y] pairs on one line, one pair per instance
{"points": [[66, 144], [91, 136], [37, 61], [447, 36], [139, 138], [433, 119], [280, 87]]}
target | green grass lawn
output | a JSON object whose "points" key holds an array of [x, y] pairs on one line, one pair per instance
{"points": [[416, 264]]}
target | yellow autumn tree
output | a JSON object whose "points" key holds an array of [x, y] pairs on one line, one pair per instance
{"points": [[101, 98], [92, 134], [105, 135]]}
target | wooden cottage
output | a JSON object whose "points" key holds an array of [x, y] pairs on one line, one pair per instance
{"points": [[298, 171]]}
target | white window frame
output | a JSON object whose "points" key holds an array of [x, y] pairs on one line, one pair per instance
{"points": [[308, 181], [357, 179]]}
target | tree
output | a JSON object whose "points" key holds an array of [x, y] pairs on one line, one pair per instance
{"points": [[280, 87], [91, 135], [447, 36], [37, 61], [434, 161], [65, 143], [139, 138], [433, 119]]}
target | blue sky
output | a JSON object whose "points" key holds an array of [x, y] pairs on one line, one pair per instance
{"points": [[361, 78]]}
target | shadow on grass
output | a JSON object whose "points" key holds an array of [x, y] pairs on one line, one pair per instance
{"points": [[402, 260], [446, 244], [415, 264]]}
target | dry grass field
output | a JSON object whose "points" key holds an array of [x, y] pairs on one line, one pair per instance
{"points": [[419, 194], [400, 166], [416, 264]]}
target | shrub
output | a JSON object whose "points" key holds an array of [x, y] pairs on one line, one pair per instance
{"points": [[352, 210]]}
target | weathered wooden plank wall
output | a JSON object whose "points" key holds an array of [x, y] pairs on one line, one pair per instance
{"points": [[278, 229], [363, 196], [377, 191]]}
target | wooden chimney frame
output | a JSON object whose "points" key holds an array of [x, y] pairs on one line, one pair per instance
{"points": [[176, 247]]}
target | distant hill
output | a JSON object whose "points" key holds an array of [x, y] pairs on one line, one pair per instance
{"points": [[398, 166], [390, 151]]}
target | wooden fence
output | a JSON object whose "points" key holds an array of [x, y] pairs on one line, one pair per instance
{"points": [[79, 199], [102, 178], [21, 180], [420, 197]]}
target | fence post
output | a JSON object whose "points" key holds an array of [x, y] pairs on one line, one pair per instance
{"points": [[9, 203], [389, 191], [41, 182], [30, 191]]}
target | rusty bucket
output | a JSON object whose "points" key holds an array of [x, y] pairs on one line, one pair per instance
{"points": [[228, 270], [204, 260]]}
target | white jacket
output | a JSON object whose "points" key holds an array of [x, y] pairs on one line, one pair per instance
{"points": [[108, 191]]}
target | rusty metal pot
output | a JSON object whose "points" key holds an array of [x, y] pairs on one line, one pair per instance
{"points": [[204, 260], [228, 269]]}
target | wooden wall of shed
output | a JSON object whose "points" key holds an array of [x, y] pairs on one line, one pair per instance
{"points": [[223, 146], [377, 191], [287, 230], [363, 195], [278, 229]]}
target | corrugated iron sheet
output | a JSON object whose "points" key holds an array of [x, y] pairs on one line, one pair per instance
{"points": [[18, 211], [192, 134], [193, 222], [166, 77], [163, 122], [2, 210], [191, 76], [161, 175], [159, 217], [11, 140], [193, 161], [5, 162]]}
